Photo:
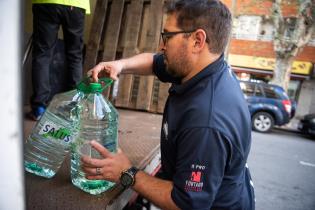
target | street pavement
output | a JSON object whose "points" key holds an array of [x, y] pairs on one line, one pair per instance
{"points": [[282, 164]]}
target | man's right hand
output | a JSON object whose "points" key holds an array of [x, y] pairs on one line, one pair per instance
{"points": [[108, 69], [140, 64]]}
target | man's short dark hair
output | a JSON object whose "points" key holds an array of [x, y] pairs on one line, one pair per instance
{"points": [[210, 15]]}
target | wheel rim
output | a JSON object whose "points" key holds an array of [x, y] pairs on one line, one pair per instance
{"points": [[262, 123]]}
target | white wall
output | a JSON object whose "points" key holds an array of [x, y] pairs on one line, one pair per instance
{"points": [[11, 174], [256, 28]]}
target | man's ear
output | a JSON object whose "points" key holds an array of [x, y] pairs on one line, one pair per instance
{"points": [[199, 40]]}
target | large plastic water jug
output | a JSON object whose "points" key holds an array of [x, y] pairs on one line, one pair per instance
{"points": [[99, 121], [50, 139]]}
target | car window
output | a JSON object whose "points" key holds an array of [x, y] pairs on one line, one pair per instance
{"points": [[283, 94], [270, 93], [258, 91], [247, 88]]}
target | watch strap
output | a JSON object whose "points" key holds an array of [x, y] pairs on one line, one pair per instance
{"points": [[131, 172]]}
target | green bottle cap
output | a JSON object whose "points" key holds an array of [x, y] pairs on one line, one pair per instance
{"points": [[82, 87], [95, 88]]}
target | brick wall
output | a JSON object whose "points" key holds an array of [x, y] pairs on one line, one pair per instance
{"points": [[263, 48], [261, 7]]}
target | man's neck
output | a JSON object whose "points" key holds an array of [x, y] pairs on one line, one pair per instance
{"points": [[200, 63]]}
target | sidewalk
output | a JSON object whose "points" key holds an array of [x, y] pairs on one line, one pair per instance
{"points": [[291, 126]]}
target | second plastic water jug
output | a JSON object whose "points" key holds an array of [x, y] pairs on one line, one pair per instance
{"points": [[50, 139], [99, 121]]}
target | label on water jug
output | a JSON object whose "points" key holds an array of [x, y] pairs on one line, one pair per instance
{"points": [[50, 129]]}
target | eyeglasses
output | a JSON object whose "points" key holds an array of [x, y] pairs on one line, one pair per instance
{"points": [[168, 35]]}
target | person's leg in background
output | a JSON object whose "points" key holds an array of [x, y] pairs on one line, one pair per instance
{"points": [[45, 31], [73, 28]]}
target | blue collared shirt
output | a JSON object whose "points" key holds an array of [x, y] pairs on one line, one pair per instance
{"points": [[206, 138]]}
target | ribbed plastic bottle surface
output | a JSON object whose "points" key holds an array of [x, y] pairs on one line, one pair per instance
{"points": [[99, 121], [50, 139]]}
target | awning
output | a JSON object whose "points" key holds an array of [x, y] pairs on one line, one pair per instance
{"points": [[301, 68], [266, 72]]}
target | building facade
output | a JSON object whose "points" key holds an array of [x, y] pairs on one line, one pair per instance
{"points": [[251, 52]]}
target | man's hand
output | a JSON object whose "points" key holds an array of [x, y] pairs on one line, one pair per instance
{"points": [[109, 69], [141, 64], [110, 167]]}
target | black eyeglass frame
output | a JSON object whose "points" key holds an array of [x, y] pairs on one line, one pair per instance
{"points": [[166, 35]]}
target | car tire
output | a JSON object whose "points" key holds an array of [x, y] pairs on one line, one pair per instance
{"points": [[262, 122]]}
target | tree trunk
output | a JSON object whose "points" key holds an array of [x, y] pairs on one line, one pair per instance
{"points": [[281, 75], [288, 45]]}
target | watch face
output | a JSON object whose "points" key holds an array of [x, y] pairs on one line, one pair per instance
{"points": [[126, 180]]}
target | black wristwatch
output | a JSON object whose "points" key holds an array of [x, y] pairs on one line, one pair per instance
{"points": [[127, 177]]}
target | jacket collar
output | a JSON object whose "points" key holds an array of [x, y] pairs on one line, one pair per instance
{"points": [[212, 68]]}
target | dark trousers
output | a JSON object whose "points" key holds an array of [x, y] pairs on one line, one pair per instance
{"points": [[47, 18]]}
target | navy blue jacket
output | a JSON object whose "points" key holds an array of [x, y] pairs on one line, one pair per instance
{"points": [[206, 138]]}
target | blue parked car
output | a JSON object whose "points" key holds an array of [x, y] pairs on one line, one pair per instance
{"points": [[268, 104]]}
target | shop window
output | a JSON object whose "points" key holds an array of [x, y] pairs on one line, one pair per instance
{"points": [[266, 29], [246, 27], [293, 89], [261, 28]]}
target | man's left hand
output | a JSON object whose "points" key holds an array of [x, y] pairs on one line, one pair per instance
{"points": [[109, 168]]}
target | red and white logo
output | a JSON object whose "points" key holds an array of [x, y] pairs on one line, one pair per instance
{"points": [[194, 184], [195, 176]]}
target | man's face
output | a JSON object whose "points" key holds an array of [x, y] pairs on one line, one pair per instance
{"points": [[175, 49]]}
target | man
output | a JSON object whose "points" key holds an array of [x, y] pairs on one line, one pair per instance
{"points": [[206, 128], [48, 15]]}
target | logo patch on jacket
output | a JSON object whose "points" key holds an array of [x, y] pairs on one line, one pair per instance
{"points": [[195, 176], [195, 184]]}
